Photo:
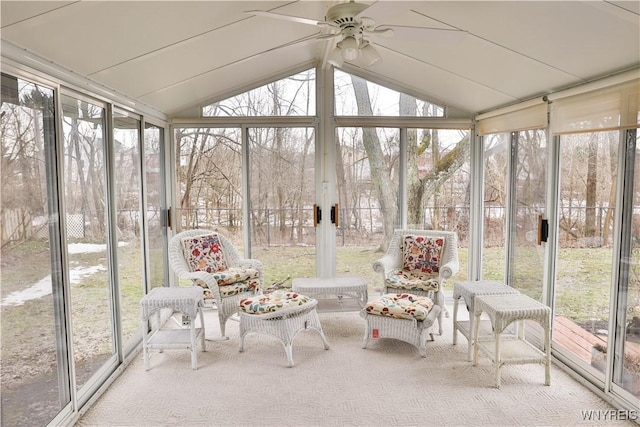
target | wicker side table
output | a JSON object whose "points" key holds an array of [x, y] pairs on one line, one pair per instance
{"points": [[189, 302], [334, 287], [468, 290], [504, 310]]}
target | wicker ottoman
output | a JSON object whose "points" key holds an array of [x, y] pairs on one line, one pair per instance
{"points": [[404, 317], [282, 315]]}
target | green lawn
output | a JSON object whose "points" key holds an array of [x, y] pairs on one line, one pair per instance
{"points": [[582, 288]]}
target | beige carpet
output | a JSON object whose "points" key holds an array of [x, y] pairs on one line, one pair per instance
{"points": [[387, 384]]}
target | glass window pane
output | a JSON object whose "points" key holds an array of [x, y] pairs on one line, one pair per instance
{"points": [[529, 201], [381, 100], [438, 185], [496, 161], [291, 96], [84, 197], [627, 373], [282, 188], [126, 134], [34, 375], [154, 193], [210, 180], [585, 255], [367, 162]]}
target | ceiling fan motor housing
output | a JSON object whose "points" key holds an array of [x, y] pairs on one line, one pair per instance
{"points": [[344, 15]]}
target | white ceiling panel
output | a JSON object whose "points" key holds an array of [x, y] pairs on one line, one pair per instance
{"points": [[13, 15], [570, 36], [172, 54], [226, 80], [439, 85], [209, 52]]}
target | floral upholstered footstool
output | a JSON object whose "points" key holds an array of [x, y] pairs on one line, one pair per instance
{"points": [[282, 315], [404, 317]]}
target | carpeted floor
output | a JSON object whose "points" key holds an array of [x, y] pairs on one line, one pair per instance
{"points": [[387, 384]]}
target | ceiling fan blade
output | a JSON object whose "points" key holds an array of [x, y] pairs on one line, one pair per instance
{"points": [[367, 22], [380, 32], [290, 18], [328, 36], [410, 33]]}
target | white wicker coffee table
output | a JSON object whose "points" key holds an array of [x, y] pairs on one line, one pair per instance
{"points": [[468, 290], [189, 302], [339, 288], [504, 310]]}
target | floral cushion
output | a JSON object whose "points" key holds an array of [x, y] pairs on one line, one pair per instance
{"points": [[400, 306], [422, 253], [412, 281], [275, 301], [239, 288], [204, 253], [235, 274], [250, 285]]}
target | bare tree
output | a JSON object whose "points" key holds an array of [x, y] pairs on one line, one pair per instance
{"points": [[592, 186], [386, 191], [419, 188]]}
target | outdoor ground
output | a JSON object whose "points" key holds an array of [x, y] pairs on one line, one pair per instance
{"points": [[28, 373]]}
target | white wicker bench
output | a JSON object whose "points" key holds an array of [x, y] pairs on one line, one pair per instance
{"points": [[410, 329], [274, 315]]}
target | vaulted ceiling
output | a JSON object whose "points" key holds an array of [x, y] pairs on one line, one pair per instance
{"points": [[175, 55]]}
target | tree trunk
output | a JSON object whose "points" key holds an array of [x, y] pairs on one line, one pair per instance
{"points": [[613, 167], [591, 190], [383, 185]]}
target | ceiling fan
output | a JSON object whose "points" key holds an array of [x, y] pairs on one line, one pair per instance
{"points": [[343, 21]]}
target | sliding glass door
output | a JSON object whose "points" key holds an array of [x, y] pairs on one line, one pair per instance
{"points": [[155, 205], [626, 367], [527, 209], [587, 203], [73, 245], [515, 189], [88, 253], [128, 201], [281, 182], [35, 373]]}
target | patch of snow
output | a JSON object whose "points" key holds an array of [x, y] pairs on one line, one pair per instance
{"points": [[85, 248], [43, 287]]}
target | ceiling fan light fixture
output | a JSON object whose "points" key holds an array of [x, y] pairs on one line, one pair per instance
{"points": [[369, 55], [349, 47], [335, 57]]}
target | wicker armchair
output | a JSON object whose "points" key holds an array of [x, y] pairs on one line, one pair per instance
{"points": [[405, 272], [211, 261]]}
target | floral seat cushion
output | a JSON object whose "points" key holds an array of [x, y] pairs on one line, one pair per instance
{"points": [[239, 287], [235, 274], [276, 301], [401, 306], [413, 280], [250, 285]]}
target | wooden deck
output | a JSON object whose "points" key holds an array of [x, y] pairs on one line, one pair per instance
{"points": [[579, 341]]}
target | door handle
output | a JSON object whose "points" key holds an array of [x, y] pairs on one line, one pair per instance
{"points": [[317, 215], [543, 230], [335, 214]]}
